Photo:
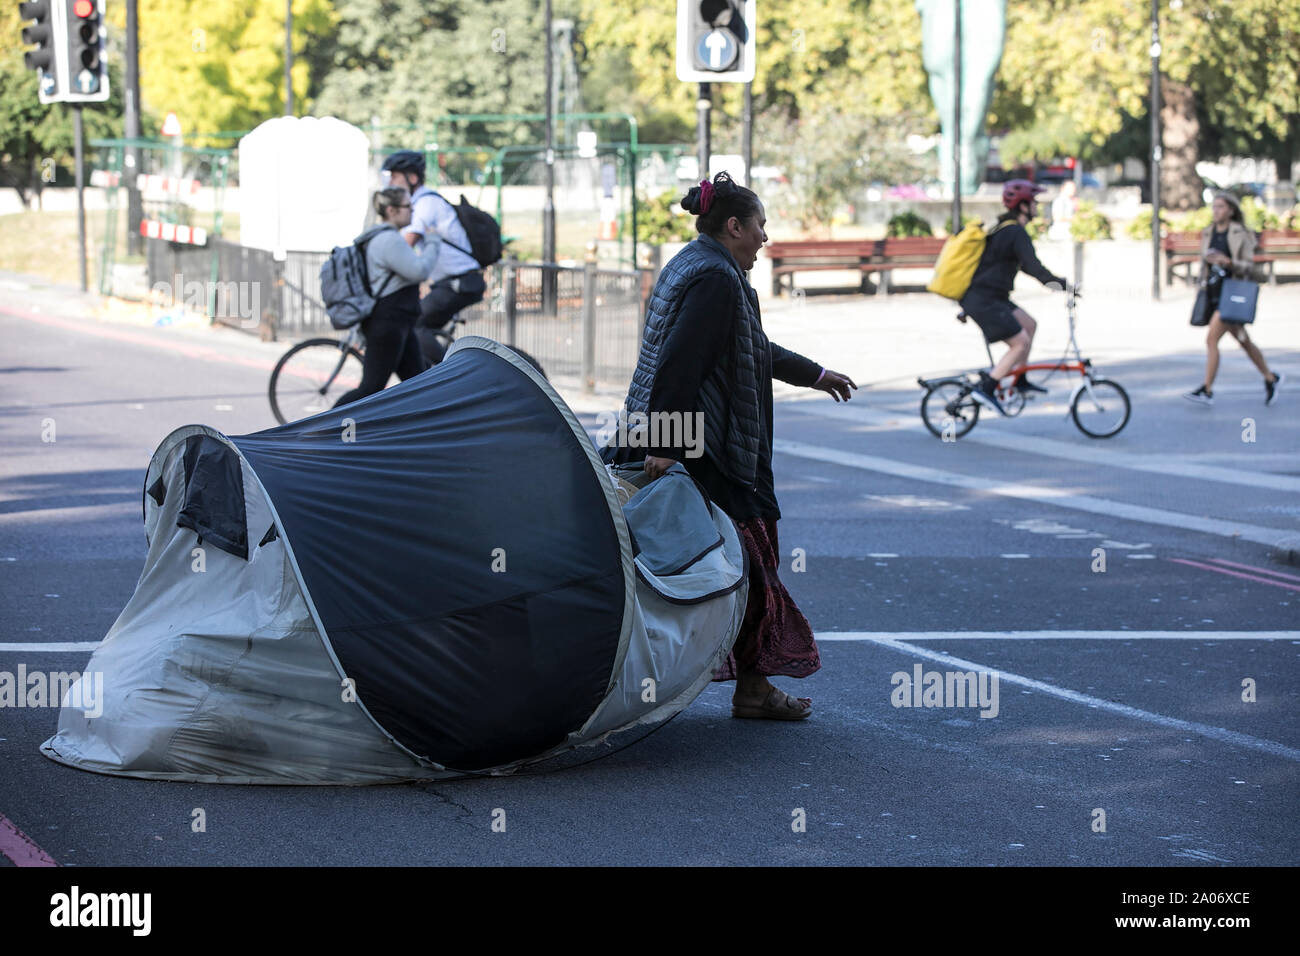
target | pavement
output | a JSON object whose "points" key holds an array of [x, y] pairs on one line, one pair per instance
{"points": [[1136, 599]]}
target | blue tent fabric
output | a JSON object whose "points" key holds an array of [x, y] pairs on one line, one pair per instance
{"points": [[398, 510], [443, 582]]}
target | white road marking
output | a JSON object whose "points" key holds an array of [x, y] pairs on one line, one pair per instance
{"points": [[1056, 636], [1139, 557], [913, 501], [880, 554], [1047, 496], [1091, 454], [52, 648], [1015, 555], [1220, 734]]}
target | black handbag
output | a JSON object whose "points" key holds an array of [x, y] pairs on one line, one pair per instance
{"points": [[1201, 310], [1237, 300]]}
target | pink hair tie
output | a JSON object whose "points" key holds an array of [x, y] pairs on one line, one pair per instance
{"points": [[706, 196]]}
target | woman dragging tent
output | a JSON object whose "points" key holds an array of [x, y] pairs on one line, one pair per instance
{"points": [[704, 352]]}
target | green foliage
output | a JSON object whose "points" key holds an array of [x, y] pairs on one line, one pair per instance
{"points": [[966, 220], [1140, 227], [1072, 72], [1088, 223], [30, 132], [1037, 228], [908, 224], [861, 59], [1193, 221], [411, 61], [662, 219], [1258, 216], [219, 64], [826, 156], [1293, 219]]}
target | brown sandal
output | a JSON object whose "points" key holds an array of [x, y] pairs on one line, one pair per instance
{"points": [[778, 705]]}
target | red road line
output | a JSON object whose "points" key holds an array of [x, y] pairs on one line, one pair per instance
{"points": [[20, 848], [1247, 567], [119, 335], [1237, 574]]}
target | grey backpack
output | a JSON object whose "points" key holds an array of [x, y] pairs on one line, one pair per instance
{"points": [[345, 286]]}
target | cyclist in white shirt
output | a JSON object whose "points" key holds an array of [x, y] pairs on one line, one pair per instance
{"points": [[456, 281]]}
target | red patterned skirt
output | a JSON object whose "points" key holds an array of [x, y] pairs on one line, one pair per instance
{"points": [[775, 638]]}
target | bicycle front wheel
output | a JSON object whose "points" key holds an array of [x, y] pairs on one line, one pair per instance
{"points": [[311, 377], [1100, 408], [948, 409]]}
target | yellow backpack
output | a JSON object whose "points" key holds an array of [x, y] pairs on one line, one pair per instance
{"points": [[959, 258]]}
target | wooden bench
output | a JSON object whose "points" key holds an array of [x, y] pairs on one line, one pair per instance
{"points": [[1184, 249], [814, 255], [1277, 245], [867, 256], [906, 252], [1181, 249]]}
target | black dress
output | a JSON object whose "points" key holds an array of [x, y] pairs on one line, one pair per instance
{"points": [[1216, 274]]}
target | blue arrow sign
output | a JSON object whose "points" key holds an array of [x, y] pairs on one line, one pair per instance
{"points": [[717, 50]]}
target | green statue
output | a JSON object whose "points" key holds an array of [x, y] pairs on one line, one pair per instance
{"points": [[983, 29]]}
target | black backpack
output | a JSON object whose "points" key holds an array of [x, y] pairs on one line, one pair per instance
{"points": [[481, 228]]}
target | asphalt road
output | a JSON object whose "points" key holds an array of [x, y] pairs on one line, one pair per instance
{"points": [[1119, 690]]}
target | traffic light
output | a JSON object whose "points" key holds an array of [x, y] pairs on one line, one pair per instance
{"points": [[715, 41], [87, 73], [44, 59]]}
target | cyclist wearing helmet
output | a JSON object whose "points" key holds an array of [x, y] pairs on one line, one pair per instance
{"points": [[988, 300], [457, 279]]}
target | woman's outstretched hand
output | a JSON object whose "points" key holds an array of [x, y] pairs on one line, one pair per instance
{"points": [[837, 385]]}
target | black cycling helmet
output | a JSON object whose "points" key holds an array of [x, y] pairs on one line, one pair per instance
{"points": [[405, 161]]}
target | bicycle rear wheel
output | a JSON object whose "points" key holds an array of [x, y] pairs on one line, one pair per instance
{"points": [[948, 409], [1100, 408], [311, 377]]}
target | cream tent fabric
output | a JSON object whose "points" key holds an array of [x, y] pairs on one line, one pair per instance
{"points": [[436, 580]]}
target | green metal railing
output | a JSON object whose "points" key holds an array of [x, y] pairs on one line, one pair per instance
{"points": [[434, 144], [116, 162]]}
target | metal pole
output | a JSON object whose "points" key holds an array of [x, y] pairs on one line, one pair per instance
{"points": [[589, 326], [1157, 149], [548, 210], [81, 194], [511, 294], [747, 133], [288, 57], [1078, 246], [131, 118], [956, 121], [702, 107]]}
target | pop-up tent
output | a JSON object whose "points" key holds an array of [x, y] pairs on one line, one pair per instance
{"points": [[437, 579]]}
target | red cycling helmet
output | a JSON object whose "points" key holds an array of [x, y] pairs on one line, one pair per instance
{"points": [[1016, 191]]}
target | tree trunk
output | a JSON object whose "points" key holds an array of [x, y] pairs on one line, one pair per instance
{"points": [[1286, 152], [1180, 185]]}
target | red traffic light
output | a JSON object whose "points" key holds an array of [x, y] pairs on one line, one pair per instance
{"points": [[84, 8]]}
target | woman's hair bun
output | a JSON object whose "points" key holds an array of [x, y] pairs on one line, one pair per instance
{"points": [[691, 201], [724, 198]]}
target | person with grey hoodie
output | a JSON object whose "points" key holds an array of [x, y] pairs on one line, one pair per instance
{"points": [[395, 272]]}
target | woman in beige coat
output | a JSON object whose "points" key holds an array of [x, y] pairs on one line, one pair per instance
{"points": [[1228, 251]]}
